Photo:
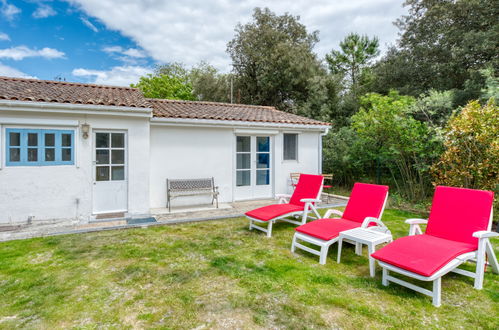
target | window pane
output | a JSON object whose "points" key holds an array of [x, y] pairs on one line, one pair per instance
{"points": [[102, 173], [49, 139], [15, 139], [290, 146], [66, 140], [15, 154], [49, 154], [102, 156], [118, 157], [243, 144], [33, 139], [118, 173], [118, 140], [262, 177], [263, 144], [243, 178], [263, 160], [66, 154], [102, 140], [243, 161], [32, 154]]}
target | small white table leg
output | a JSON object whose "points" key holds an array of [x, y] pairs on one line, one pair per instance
{"points": [[371, 259], [358, 249], [340, 243]]}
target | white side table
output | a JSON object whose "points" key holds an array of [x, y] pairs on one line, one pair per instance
{"points": [[370, 237]]}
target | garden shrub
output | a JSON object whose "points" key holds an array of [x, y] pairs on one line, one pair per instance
{"points": [[396, 143], [471, 156]]}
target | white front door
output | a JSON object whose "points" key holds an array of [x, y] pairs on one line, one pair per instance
{"points": [[253, 175], [110, 189]]}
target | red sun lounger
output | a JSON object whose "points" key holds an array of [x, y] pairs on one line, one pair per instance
{"points": [[305, 196], [364, 209], [458, 230]]}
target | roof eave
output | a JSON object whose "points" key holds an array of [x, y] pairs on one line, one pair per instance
{"points": [[70, 108], [161, 121]]}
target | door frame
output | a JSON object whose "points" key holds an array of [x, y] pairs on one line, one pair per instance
{"points": [[93, 163], [253, 135]]}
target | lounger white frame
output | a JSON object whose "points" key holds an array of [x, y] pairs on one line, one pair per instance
{"points": [[324, 245], [478, 256], [284, 199]]}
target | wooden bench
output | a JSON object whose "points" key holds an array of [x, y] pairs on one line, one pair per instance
{"points": [[190, 187]]}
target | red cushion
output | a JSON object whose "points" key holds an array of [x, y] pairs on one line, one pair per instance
{"points": [[421, 254], [327, 229], [366, 200], [457, 213], [308, 186], [270, 212]]}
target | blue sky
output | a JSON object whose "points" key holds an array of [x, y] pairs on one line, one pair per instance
{"points": [[116, 41]]}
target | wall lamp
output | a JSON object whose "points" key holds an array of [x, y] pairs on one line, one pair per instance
{"points": [[85, 129]]}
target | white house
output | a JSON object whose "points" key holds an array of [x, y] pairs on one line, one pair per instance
{"points": [[74, 151]]}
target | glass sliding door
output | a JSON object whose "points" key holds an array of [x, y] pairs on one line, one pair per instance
{"points": [[243, 161], [253, 177]]}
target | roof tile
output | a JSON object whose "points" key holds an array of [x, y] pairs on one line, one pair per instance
{"points": [[225, 111], [22, 89]]}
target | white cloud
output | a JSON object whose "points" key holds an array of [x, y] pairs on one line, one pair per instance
{"points": [[44, 11], [12, 72], [8, 10], [193, 30], [134, 52], [21, 52], [89, 24], [4, 37], [131, 52], [118, 75]]}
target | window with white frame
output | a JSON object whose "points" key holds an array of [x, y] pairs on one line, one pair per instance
{"points": [[39, 147], [290, 146]]}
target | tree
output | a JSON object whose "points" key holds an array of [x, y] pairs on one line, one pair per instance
{"points": [[209, 84], [471, 156], [356, 54], [273, 60], [165, 86], [392, 140], [443, 46], [175, 69]]}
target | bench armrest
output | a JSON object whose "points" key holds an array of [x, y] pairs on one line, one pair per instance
{"points": [[368, 220], [484, 234], [414, 228], [416, 221], [283, 198], [277, 196], [310, 200], [332, 211]]}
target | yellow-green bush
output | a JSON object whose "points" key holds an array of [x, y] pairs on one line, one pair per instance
{"points": [[471, 156]]}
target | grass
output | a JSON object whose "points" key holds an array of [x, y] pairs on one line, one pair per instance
{"points": [[217, 275]]}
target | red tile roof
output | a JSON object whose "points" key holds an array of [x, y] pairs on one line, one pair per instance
{"points": [[226, 111], [22, 89]]}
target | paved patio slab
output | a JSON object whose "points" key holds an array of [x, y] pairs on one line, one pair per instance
{"points": [[163, 217]]}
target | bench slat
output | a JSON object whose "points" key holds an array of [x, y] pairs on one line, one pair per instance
{"points": [[190, 187]]}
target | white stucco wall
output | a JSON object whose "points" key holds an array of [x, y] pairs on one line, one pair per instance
{"points": [[308, 159], [190, 152], [179, 152], [64, 192], [154, 154]]}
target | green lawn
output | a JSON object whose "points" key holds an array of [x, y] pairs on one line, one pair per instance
{"points": [[217, 274]]}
